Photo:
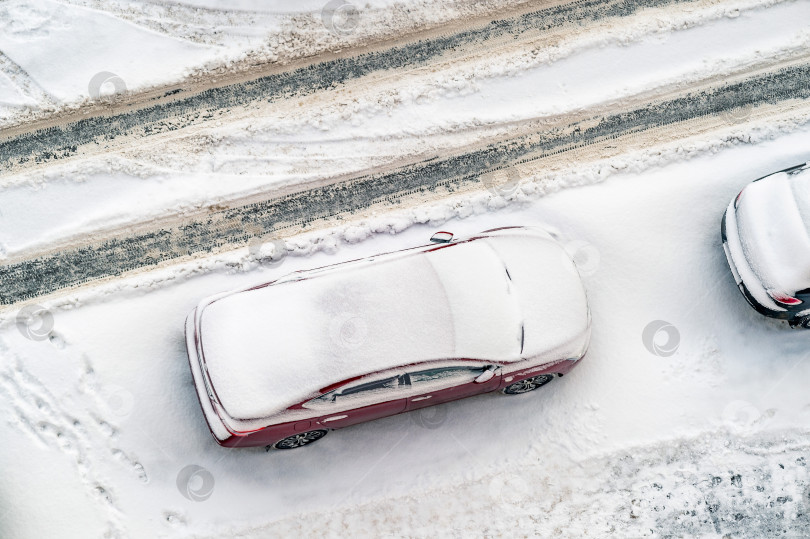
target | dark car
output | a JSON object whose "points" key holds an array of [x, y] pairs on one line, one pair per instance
{"points": [[766, 237]]}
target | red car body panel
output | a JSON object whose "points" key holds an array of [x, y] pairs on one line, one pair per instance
{"points": [[309, 418], [273, 434], [453, 393], [346, 418]]}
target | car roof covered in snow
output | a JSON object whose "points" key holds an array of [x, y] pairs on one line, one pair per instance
{"points": [[271, 347], [773, 218]]}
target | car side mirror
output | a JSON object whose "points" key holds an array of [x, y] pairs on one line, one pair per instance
{"points": [[442, 237], [486, 376]]}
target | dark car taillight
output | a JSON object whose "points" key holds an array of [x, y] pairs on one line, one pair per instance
{"points": [[784, 299]]}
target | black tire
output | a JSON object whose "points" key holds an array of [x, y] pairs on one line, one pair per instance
{"points": [[529, 384], [300, 440], [801, 322]]}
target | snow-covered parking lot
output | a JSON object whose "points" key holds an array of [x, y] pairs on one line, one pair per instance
{"points": [[688, 417]]}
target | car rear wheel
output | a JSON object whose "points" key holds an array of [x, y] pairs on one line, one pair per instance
{"points": [[801, 322], [300, 440], [529, 384]]}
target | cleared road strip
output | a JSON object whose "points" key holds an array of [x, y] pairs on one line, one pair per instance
{"points": [[761, 93]]}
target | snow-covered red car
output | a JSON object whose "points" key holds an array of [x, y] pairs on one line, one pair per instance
{"points": [[766, 237], [280, 364]]}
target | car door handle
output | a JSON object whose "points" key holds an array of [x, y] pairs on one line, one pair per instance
{"points": [[421, 398], [335, 418]]}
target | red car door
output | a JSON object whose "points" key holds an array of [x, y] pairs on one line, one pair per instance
{"points": [[446, 383], [369, 400]]}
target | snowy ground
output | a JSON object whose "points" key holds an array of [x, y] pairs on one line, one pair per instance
{"points": [[120, 47], [344, 134], [100, 421]]}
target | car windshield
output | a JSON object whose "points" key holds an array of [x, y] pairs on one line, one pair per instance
{"points": [[800, 185], [486, 313]]}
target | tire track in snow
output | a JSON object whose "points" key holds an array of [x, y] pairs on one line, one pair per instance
{"points": [[30, 87], [231, 228], [105, 131], [176, 20]]}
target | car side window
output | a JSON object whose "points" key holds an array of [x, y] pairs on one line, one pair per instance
{"points": [[375, 386], [441, 376], [376, 389]]}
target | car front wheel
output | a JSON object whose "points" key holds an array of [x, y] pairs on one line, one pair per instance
{"points": [[300, 440], [529, 384]]}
